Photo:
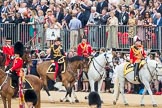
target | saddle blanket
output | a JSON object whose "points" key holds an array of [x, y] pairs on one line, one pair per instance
{"points": [[128, 68], [51, 69]]}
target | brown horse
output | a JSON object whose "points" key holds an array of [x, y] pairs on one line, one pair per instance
{"points": [[2, 61], [72, 64], [7, 91]]}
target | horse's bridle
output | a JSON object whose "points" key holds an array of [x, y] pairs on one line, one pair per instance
{"points": [[154, 74], [101, 75], [5, 81]]}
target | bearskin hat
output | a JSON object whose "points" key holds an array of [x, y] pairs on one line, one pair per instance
{"points": [[19, 48], [30, 96], [94, 99], [58, 39], [8, 39]]}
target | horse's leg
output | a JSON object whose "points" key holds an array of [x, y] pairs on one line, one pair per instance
{"points": [[99, 86], [147, 85], [70, 92], [122, 81], [46, 88], [38, 101], [75, 97], [91, 82], [144, 92], [64, 98], [4, 101], [116, 90], [9, 102]]}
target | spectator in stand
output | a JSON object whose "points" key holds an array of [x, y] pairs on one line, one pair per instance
{"points": [[91, 26], [4, 18], [140, 28], [86, 6], [39, 8], [158, 7], [0, 9], [67, 16], [148, 29], [18, 19], [123, 19], [132, 22], [74, 25], [157, 24], [22, 8], [58, 14], [112, 40], [153, 16], [44, 6], [5, 7], [26, 19], [34, 4], [55, 24], [48, 18], [101, 5], [32, 27], [80, 16]]}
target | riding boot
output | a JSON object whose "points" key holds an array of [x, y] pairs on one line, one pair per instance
{"points": [[136, 65]]}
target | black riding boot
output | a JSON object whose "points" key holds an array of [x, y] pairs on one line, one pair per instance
{"points": [[136, 65]]}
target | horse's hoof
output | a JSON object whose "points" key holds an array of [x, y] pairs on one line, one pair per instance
{"points": [[102, 101], [154, 105], [77, 101], [86, 97], [114, 102], [142, 105], [61, 100], [126, 104], [67, 101]]}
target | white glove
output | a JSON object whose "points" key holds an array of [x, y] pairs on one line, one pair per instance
{"points": [[8, 72], [53, 64], [132, 65], [12, 57]]}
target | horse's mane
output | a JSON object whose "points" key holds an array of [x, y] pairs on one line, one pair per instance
{"points": [[75, 58]]}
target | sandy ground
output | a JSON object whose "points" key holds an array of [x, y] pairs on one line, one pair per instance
{"points": [[133, 100]]}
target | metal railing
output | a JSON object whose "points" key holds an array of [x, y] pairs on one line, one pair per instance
{"points": [[120, 37]]}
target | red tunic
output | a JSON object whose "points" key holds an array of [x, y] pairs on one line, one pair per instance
{"points": [[8, 51], [84, 49], [136, 54], [17, 65]]}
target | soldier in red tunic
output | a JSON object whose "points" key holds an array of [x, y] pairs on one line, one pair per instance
{"points": [[16, 68], [84, 48], [137, 53], [8, 51]]}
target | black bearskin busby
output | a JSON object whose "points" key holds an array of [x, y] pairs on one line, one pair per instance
{"points": [[30, 96], [94, 99], [19, 48], [8, 39]]}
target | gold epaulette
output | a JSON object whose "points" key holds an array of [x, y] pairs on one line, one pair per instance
{"points": [[52, 46]]}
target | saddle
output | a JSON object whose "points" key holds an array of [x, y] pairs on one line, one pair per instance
{"points": [[51, 69], [15, 80], [128, 68]]}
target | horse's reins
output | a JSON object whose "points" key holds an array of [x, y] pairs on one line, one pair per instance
{"points": [[152, 75], [5, 81], [101, 75]]}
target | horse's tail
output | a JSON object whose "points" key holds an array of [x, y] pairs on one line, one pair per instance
{"points": [[116, 89]]}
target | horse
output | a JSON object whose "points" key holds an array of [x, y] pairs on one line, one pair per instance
{"points": [[97, 69], [42, 69], [148, 71], [69, 77], [2, 60], [7, 91]]}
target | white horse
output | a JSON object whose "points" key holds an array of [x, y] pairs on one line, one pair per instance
{"points": [[96, 69], [147, 73]]}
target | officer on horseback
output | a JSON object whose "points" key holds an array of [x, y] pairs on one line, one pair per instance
{"points": [[57, 57], [137, 53], [8, 51]]}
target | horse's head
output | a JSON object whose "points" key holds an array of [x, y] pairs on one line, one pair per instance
{"points": [[154, 66], [108, 57], [27, 58], [85, 64]]}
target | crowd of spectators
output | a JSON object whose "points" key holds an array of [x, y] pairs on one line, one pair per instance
{"points": [[75, 14]]}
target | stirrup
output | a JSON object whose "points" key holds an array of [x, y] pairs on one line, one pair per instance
{"points": [[135, 78]]}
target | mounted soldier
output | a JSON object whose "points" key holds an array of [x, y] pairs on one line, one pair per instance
{"points": [[8, 50], [57, 57], [137, 54], [16, 69]]}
